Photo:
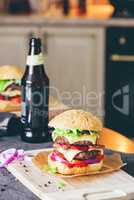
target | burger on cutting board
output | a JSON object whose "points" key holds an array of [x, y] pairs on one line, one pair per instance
{"points": [[10, 93], [75, 134]]}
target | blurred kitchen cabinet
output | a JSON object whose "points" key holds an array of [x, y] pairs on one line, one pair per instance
{"points": [[13, 42], [75, 65], [75, 60]]}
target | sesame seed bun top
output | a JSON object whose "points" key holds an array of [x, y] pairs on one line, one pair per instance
{"points": [[8, 72], [76, 119]]}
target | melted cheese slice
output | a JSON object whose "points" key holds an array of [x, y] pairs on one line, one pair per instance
{"points": [[69, 154]]}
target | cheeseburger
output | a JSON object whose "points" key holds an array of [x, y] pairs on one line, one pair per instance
{"points": [[75, 134], [10, 94]]}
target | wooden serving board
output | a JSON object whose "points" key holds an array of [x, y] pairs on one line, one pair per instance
{"points": [[111, 186]]}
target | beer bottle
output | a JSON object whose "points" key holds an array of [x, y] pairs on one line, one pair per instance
{"points": [[35, 95], [66, 7], [82, 7]]}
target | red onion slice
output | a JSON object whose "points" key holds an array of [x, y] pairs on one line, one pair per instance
{"points": [[20, 154], [55, 157], [91, 161], [8, 156]]}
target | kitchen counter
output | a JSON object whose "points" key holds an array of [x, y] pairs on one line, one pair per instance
{"points": [[10, 188], [55, 21]]}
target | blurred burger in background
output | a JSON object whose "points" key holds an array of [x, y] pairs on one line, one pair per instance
{"points": [[10, 88], [10, 92]]}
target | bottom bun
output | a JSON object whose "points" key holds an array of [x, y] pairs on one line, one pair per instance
{"points": [[8, 106], [64, 169]]}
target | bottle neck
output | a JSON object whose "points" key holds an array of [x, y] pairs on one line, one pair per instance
{"points": [[35, 57], [34, 51]]}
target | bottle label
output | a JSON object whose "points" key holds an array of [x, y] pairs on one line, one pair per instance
{"points": [[34, 107], [35, 60], [23, 112]]}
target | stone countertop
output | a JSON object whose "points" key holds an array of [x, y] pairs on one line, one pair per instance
{"points": [[40, 20], [10, 188]]}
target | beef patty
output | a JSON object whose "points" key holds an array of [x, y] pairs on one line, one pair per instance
{"points": [[13, 86], [86, 155], [63, 140]]}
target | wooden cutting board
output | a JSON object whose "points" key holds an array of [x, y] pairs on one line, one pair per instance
{"points": [[116, 185]]}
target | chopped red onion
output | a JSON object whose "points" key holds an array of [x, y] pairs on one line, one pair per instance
{"points": [[8, 156]]}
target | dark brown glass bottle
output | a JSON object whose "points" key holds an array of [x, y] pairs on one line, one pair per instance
{"points": [[19, 7], [66, 7], [82, 7], [35, 95]]}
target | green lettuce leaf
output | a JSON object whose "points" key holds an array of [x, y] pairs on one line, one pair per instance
{"points": [[50, 169], [61, 185], [6, 83], [73, 133]]}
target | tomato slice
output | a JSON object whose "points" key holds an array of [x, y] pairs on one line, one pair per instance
{"points": [[2, 97], [16, 99], [100, 157], [56, 156], [79, 163], [59, 154]]}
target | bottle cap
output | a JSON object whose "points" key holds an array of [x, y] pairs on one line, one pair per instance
{"points": [[36, 42]]}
